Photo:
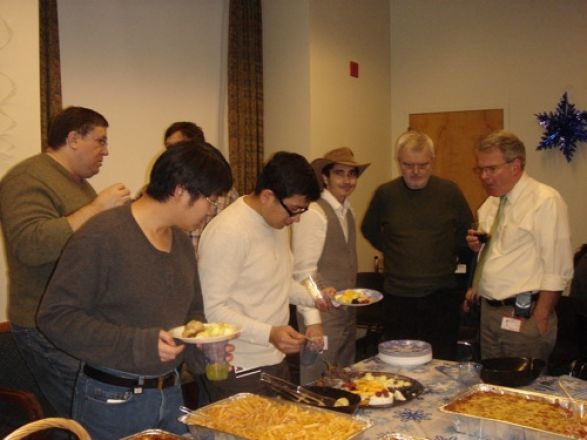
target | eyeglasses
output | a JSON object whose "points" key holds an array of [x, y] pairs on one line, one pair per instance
{"points": [[291, 213], [415, 166], [214, 203], [490, 170]]}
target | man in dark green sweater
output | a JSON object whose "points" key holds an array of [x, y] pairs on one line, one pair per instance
{"points": [[43, 200], [419, 222]]}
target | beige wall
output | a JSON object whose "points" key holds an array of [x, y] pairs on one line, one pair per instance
{"points": [[517, 55], [144, 64], [20, 133], [312, 103], [286, 76]]}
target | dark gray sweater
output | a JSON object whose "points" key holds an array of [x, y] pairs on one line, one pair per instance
{"points": [[113, 291], [420, 233]]}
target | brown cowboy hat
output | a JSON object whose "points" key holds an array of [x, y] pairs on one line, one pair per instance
{"points": [[343, 156]]}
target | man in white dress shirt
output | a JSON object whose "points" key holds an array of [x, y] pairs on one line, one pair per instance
{"points": [[246, 266], [527, 261], [324, 242]]}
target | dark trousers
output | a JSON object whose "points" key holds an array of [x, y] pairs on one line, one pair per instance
{"points": [[433, 318], [250, 383]]}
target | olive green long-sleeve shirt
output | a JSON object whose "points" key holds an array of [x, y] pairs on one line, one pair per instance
{"points": [[36, 195], [420, 232]]}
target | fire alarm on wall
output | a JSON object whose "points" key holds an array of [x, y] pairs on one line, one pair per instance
{"points": [[354, 69]]}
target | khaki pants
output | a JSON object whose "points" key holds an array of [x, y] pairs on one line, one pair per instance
{"points": [[497, 342]]}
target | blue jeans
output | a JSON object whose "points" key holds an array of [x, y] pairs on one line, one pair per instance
{"points": [[54, 370], [111, 412]]}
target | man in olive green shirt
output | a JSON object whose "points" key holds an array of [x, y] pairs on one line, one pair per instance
{"points": [[43, 200]]}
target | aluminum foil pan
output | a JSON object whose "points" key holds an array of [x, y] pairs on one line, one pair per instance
{"points": [[201, 432], [488, 428], [400, 436], [153, 434]]}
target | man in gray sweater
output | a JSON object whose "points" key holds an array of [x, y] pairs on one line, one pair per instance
{"points": [[126, 278], [419, 222], [43, 200]]}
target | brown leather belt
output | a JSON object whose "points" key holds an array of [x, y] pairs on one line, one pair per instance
{"points": [[160, 382]]}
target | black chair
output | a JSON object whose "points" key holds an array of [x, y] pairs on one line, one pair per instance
{"points": [[21, 401], [566, 350]]}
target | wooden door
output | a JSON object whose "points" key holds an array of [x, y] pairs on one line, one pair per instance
{"points": [[455, 135]]}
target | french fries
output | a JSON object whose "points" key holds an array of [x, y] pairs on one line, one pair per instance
{"points": [[257, 418]]}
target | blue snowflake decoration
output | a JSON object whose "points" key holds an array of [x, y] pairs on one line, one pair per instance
{"points": [[563, 128]]}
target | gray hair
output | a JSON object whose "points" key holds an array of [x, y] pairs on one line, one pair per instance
{"points": [[508, 143], [414, 140]]}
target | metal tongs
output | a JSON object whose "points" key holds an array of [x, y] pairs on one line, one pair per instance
{"points": [[297, 392]]}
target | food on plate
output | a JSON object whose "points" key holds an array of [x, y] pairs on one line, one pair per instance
{"points": [[521, 410], [258, 418], [353, 297], [377, 389], [195, 329], [192, 329], [341, 401]]}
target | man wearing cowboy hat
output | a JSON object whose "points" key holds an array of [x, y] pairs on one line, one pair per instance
{"points": [[323, 242], [419, 222]]}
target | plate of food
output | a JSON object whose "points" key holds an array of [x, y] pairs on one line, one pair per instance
{"points": [[196, 332], [357, 297], [377, 389]]}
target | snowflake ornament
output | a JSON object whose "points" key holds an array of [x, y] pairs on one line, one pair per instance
{"points": [[563, 128]]}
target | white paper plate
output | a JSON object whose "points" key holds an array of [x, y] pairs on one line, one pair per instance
{"points": [[405, 352], [373, 296], [178, 331]]}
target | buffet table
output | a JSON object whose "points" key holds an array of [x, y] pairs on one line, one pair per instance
{"points": [[421, 417]]}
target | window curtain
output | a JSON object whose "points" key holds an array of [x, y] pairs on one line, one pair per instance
{"points": [[245, 92], [50, 65]]}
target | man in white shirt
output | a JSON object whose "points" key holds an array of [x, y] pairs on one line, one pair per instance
{"points": [[246, 268], [527, 262], [324, 242]]}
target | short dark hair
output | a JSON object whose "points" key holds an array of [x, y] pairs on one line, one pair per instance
{"points": [[287, 175], [79, 119], [197, 167], [191, 131]]}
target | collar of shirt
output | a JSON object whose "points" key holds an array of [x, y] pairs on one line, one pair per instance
{"points": [[518, 188], [340, 208]]}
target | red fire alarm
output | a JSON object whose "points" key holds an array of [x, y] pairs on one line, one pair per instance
{"points": [[354, 69]]}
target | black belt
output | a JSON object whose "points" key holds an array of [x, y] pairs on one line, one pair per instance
{"points": [[505, 302], [160, 382]]}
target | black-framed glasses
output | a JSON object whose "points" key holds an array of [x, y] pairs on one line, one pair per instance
{"points": [[291, 213]]}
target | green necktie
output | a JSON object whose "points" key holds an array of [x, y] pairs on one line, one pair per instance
{"points": [[492, 238]]}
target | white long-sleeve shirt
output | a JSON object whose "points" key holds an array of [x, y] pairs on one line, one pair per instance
{"points": [[308, 238], [245, 269], [532, 249]]}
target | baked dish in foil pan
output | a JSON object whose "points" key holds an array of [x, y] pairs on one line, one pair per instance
{"points": [[153, 434], [490, 411], [253, 417]]}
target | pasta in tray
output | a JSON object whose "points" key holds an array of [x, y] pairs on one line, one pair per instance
{"points": [[258, 418], [532, 413]]}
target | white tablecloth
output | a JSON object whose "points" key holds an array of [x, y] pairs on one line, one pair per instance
{"points": [[421, 417]]}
